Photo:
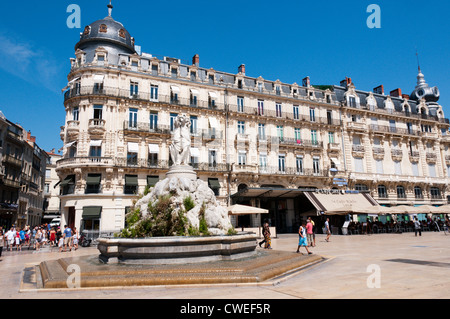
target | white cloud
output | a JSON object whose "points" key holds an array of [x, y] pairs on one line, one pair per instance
{"points": [[28, 62]]}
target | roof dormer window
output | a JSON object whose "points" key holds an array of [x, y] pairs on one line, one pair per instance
{"points": [[103, 28], [87, 30], [122, 33]]}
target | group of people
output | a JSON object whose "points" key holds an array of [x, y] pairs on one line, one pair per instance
{"points": [[38, 237], [375, 226], [306, 232]]}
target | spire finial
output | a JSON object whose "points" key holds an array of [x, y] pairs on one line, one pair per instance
{"points": [[110, 7], [418, 62]]}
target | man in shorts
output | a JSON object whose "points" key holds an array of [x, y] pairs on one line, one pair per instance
{"points": [[67, 233]]}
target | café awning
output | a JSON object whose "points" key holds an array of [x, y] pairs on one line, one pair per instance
{"points": [[68, 180], [341, 203], [213, 183], [131, 180], [245, 210], [152, 180], [92, 212]]}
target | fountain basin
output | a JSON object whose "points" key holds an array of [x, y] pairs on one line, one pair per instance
{"points": [[177, 250]]}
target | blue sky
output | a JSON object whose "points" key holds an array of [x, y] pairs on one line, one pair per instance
{"points": [[285, 40]]}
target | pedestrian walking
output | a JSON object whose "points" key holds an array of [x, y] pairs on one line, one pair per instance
{"points": [[302, 242], [266, 234], [309, 232], [75, 238], [58, 234], [10, 238], [38, 239], [52, 237], [2, 242], [61, 243], [417, 227], [314, 231], [22, 238], [67, 233], [328, 229]]}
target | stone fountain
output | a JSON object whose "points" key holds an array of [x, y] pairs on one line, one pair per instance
{"points": [[199, 247], [189, 209], [189, 242]]}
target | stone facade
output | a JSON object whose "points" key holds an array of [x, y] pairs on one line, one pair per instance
{"points": [[246, 132]]}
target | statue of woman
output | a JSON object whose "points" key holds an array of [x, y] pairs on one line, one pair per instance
{"points": [[180, 150]]}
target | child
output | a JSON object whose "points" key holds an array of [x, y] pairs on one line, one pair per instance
{"points": [[61, 243]]}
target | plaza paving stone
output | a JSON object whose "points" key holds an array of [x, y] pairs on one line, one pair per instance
{"points": [[410, 268]]}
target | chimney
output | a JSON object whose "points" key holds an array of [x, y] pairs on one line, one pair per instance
{"points": [[405, 96], [379, 89], [396, 93], [346, 82], [28, 135], [241, 69], [306, 82], [196, 60]]}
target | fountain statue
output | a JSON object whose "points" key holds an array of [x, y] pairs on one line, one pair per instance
{"points": [[180, 150], [186, 197], [179, 220]]}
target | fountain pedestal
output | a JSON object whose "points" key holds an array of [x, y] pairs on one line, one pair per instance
{"points": [[182, 171]]}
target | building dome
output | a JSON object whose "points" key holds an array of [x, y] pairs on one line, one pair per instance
{"points": [[424, 91], [106, 30], [108, 34]]}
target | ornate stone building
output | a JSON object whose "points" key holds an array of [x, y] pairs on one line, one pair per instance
{"points": [[250, 136]]}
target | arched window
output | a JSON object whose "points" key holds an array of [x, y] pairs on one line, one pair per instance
{"points": [[418, 192], [401, 192], [382, 191], [103, 28], [242, 187]]}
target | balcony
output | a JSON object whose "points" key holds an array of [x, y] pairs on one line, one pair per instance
{"points": [[97, 126], [74, 162], [12, 160], [431, 157], [357, 126], [334, 147], [73, 129], [243, 168], [85, 91], [358, 150], [447, 159], [142, 127], [294, 142], [414, 156], [212, 134], [396, 154], [292, 171], [141, 163], [378, 152], [393, 130]]}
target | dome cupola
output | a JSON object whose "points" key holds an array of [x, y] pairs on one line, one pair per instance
{"points": [[424, 91], [106, 33]]}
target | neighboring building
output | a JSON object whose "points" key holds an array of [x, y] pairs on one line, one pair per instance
{"points": [[264, 143], [51, 189], [22, 185]]}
